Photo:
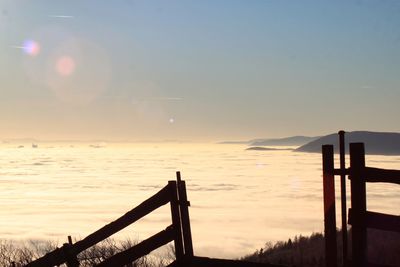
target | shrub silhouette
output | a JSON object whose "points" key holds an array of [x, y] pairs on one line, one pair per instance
{"points": [[21, 253]]}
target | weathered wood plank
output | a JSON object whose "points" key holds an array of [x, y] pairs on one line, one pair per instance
{"points": [[183, 206], [377, 175], [358, 204], [377, 220], [345, 171], [141, 249], [56, 257], [176, 220], [146, 207], [69, 256], [329, 206], [342, 149]]}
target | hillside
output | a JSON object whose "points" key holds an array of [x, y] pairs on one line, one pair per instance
{"points": [[308, 251], [376, 143]]}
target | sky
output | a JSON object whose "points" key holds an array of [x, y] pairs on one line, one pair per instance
{"points": [[197, 70]]}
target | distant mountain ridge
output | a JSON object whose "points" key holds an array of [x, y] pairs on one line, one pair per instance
{"points": [[233, 142], [261, 148], [287, 141], [376, 143], [297, 140]]}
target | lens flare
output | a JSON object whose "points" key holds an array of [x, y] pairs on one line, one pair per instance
{"points": [[31, 48], [65, 66]]}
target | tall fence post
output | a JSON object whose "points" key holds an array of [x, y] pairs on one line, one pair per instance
{"points": [[343, 194], [183, 205], [358, 204], [176, 221], [329, 206]]}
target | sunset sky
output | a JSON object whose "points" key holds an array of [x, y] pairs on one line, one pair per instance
{"points": [[197, 70]]}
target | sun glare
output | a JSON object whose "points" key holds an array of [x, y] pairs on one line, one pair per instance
{"points": [[31, 48], [65, 66]]}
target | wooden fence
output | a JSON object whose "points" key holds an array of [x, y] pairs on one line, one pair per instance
{"points": [[179, 232], [359, 218]]}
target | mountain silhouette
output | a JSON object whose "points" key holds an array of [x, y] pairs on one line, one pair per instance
{"points": [[376, 143], [287, 141]]}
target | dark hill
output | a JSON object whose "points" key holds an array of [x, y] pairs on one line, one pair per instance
{"points": [[377, 143], [288, 141]]}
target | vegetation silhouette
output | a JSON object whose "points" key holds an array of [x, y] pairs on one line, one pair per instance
{"points": [[376, 143], [308, 251]]}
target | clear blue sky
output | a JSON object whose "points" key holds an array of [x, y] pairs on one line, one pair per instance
{"points": [[197, 70]]}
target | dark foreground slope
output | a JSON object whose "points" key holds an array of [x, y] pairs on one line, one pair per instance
{"points": [[301, 251], [376, 143]]}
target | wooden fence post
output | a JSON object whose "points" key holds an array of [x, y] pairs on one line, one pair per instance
{"points": [[329, 206], [342, 149], [70, 257], [358, 204], [183, 205], [176, 220]]}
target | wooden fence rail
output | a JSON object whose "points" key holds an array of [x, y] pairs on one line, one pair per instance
{"points": [[377, 220], [377, 175], [141, 249], [146, 207]]}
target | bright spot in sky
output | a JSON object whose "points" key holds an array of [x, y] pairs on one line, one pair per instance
{"points": [[171, 120], [65, 66], [31, 47]]}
